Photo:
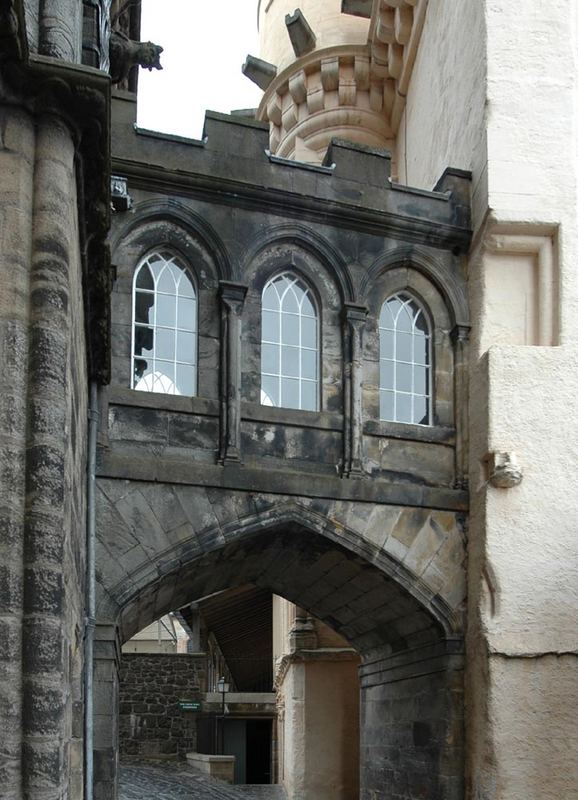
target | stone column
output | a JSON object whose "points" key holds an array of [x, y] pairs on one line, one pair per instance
{"points": [[46, 601], [353, 325], [412, 723], [232, 301], [60, 29], [17, 143], [461, 341], [107, 652]]}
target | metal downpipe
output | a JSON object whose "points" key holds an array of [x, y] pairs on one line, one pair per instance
{"points": [[93, 418]]}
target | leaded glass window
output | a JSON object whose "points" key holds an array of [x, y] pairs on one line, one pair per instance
{"points": [[405, 381], [289, 345], [164, 355]]}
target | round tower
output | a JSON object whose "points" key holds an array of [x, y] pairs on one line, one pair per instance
{"points": [[334, 68]]}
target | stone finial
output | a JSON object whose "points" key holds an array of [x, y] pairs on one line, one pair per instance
{"points": [[503, 470], [125, 54], [259, 71], [300, 32]]}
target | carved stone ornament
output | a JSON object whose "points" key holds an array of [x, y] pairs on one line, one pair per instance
{"points": [[125, 54], [504, 470]]}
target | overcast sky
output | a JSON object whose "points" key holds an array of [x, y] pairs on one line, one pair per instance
{"points": [[205, 43]]}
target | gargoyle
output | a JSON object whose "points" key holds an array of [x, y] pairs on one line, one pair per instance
{"points": [[125, 54]]}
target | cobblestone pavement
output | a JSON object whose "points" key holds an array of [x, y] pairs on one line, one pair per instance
{"points": [[141, 780]]}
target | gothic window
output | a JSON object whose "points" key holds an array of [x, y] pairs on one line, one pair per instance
{"points": [[289, 345], [164, 326], [405, 391]]}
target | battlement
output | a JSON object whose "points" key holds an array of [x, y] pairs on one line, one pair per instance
{"points": [[233, 156]]}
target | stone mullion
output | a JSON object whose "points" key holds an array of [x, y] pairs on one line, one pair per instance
{"points": [[17, 149], [232, 301], [44, 648], [354, 324], [461, 341]]}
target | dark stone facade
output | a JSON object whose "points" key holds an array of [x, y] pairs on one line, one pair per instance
{"points": [[152, 724], [361, 522]]}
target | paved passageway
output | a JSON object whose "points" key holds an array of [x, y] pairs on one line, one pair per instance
{"points": [[176, 781]]}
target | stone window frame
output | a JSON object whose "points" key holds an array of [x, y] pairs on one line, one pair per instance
{"points": [[314, 302], [132, 245], [427, 367], [410, 280], [189, 272], [286, 256]]}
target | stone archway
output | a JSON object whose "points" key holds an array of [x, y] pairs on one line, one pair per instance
{"points": [[408, 634]]}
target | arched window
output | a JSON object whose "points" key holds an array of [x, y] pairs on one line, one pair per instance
{"points": [[404, 362], [289, 345], [164, 326]]}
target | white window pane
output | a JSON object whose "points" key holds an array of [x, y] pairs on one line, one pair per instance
{"points": [[386, 374], [166, 282], [270, 391], [392, 308], [405, 319], [420, 410], [403, 411], [186, 287], [386, 343], [186, 347], [165, 344], [144, 279], [187, 313], [143, 341], [289, 393], [166, 310], [186, 380], [289, 329], [421, 380], [420, 349], [270, 326], [307, 308], [403, 346], [309, 395], [309, 364], [308, 332], [144, 307], [386, 405], [290, 361], [290, 303], [164, 377], [270, 298], [141, 368], [270, 359], [403, 375], [420, 323]]}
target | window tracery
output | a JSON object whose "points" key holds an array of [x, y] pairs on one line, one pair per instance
{"points": [[164, 326], [289, 344], [405, 376]]}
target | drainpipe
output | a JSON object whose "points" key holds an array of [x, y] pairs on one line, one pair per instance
{"points": [[93, 417]]}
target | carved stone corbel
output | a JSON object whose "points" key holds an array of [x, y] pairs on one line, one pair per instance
{"points": [[354, 317], [232, 300]]}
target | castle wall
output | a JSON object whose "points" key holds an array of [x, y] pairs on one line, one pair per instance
{"points": [[513, 123], [152, 724]]}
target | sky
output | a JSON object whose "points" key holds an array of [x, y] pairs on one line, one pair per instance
{"points": [[202, 59]]}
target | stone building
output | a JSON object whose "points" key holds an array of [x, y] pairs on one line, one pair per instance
{"points": [[336, 362]]}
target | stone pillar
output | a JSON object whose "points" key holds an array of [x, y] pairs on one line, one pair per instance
{"points": [[354, 323], [461, 340], [412, 724], [107, 652], [46, 600], [60, 29], [232, 301], [17, 143]]}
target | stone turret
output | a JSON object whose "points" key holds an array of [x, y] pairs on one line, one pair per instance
{"points": [[335, 68]]}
